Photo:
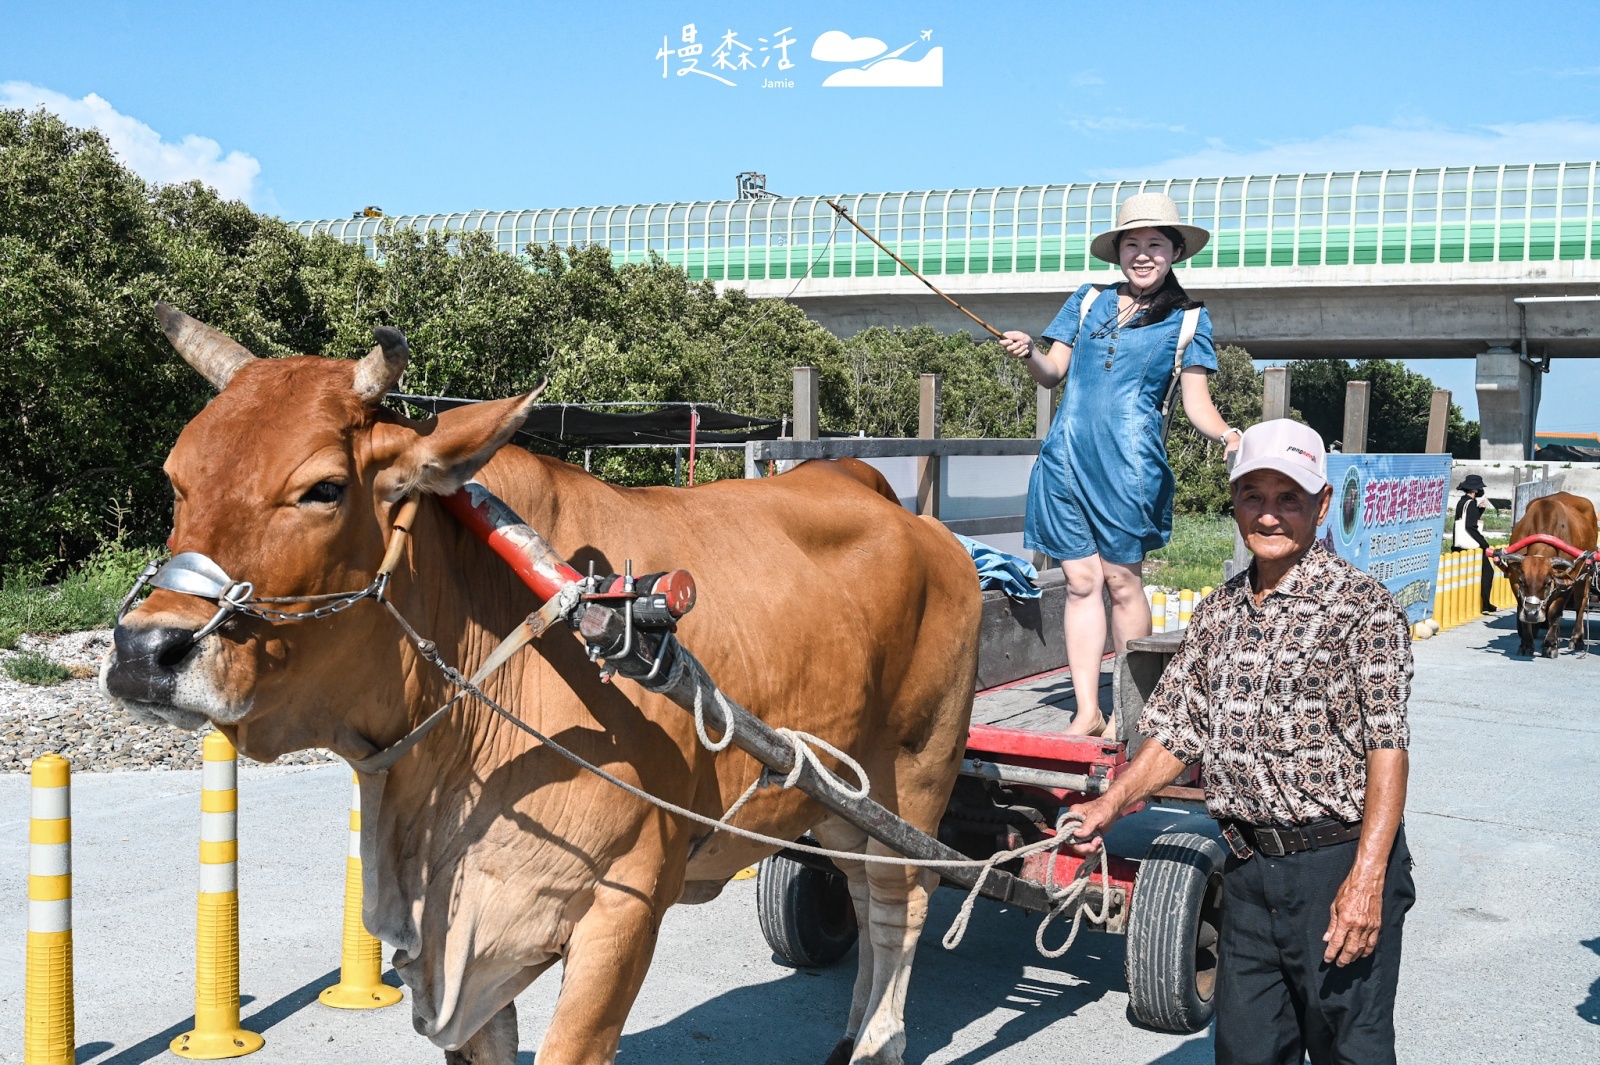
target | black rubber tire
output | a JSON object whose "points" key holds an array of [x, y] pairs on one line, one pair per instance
{"points": [[806, 914], [1173, 930]]}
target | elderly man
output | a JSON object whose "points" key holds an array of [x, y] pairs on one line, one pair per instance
{"points": [[1290, 688]]}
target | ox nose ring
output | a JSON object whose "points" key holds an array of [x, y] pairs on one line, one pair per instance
{"points": [[192, 573]]}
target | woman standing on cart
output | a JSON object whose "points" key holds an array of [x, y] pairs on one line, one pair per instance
{"points": [[1101, 493]]}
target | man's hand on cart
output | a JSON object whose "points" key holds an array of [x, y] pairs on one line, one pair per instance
{"points": [[1152, 769], [1098, 817]]}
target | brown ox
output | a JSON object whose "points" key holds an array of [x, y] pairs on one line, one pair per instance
{"points": [[1545, 579], [823, 606]]}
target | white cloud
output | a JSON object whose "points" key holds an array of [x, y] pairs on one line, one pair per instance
{"points": [[1118, 124], [1557, 140], [1088, 77], [927, 72], [141, 148], [837, 46]]}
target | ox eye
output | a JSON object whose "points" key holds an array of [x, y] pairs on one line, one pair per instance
{"points": [[323, 492]]}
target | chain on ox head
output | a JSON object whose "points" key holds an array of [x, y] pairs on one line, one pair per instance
{"points": [[196, 574]]}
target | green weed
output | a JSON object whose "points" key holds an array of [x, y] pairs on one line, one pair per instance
{"points": [[86, 598], [1193, 558], [31, 667]]}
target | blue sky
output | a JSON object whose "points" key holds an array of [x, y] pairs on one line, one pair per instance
{"points": [[308, 110]]}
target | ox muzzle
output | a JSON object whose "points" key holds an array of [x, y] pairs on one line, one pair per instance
{"points": [[151, 665], [148, 661], [1532, 610]]}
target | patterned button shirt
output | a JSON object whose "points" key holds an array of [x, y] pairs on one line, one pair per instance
{"points": [[1282, 701]]}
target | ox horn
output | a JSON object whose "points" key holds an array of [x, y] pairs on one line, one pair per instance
{"points": [[216, 355], [381, 369]]}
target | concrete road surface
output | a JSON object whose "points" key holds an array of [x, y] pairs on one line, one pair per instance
{"points": [[1502, 950]]}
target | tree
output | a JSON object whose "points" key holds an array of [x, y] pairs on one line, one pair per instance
{"points": [[1397, 419], [93, 391], [1196, 461], [98, 395]]}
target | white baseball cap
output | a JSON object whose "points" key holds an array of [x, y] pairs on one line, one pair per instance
{"points": [[1287, 446]]}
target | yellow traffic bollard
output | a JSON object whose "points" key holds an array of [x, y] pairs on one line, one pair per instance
{"points": [[360, 985], [216, 977], [1207, 590], [1500, 595], [1465, 588], [1185, 607], [1450, 590], [1439, 590], [49, 1036], [1453, 593], [1158, 612]]}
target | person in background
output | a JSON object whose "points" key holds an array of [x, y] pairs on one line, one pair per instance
{"points": [[1101, 493], [1290, 688], [1470, 509]]}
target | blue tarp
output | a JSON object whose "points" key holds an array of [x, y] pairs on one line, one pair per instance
{"points": [[996, 569]]}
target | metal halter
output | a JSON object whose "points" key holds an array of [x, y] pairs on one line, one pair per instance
{"points": [[192, 573]]}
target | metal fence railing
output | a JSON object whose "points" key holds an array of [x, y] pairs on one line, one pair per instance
{"points": [[1536, 212]]}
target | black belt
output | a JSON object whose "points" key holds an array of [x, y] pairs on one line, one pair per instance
{"points": [[1277, 840]]}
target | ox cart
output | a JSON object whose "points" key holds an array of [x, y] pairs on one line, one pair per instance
{"points": [[1020, 772], [1003, 832]]}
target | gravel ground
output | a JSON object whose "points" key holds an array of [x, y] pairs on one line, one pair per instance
{"points": [[74, 720]]}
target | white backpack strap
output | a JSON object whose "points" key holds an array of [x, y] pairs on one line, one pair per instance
{"points": [[1191, 322], [1186, 330]]}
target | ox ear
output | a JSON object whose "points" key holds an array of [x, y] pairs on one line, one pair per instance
{"points": [[216, 355], [454, 447]]}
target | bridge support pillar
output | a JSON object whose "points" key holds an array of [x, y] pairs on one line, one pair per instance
{"points": [[1507, 406]]}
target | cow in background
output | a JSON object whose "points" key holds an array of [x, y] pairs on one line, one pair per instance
{"points": [[1545, 579]]}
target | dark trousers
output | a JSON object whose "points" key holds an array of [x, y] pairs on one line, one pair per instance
{"points": [[1485, 578], [1277, 1000]]}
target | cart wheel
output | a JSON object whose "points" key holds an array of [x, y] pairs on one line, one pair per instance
{"points": [[806, 914], [1173, 929]]}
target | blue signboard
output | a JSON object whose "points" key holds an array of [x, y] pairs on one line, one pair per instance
{"points": [[1387, 517]]}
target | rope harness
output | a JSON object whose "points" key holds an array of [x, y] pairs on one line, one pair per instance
{"points": [[193, 573]]}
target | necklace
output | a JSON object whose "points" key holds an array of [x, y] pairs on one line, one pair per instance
{"points": [[1119, 321], [1121, 318]]}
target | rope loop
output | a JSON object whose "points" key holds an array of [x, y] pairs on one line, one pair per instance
{"points": [[802, 744], [701, 683], [1063, 897]]}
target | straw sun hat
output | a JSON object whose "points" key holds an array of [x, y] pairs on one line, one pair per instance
{"points": [[1146, 210]]}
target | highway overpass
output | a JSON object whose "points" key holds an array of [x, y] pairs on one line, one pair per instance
{"points": [[1416, 263]]}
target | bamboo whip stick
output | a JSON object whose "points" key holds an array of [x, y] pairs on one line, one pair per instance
{"points": [[937, 291]]}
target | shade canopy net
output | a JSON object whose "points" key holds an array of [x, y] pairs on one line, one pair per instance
{"points": [[578, 425]]}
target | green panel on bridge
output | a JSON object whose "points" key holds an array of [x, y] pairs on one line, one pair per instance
{"points": [[1530, 213]]}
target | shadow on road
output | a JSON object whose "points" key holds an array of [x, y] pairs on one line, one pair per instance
{"points": [[1506, 641], [991, 993], [1589, 1008], [148, 1047], [262, 1019]]}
